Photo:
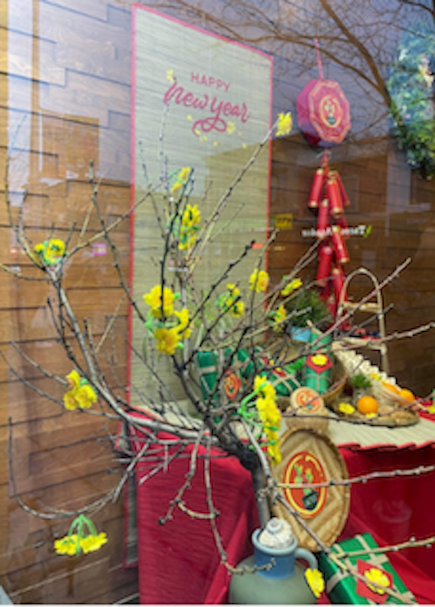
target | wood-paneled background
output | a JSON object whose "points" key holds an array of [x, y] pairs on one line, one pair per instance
{"points": [[65, 99]]}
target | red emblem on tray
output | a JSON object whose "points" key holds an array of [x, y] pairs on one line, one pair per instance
{"points": [[305, 468]]}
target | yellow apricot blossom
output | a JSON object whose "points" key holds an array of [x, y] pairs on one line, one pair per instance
{"points": [[154, 300], [237, 309], [378, 577], [85, 397], [183, 327], [273, 448], [284, 124], [191, 216], [69, 545], [167, 340], [180, 180], [81, 395], [259, 280], [73, 379], [294, 284], [315, 581], [279, 317], [91, 543]]}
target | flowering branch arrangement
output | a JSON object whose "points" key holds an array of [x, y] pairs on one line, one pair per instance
{"points": [[225, 343]]}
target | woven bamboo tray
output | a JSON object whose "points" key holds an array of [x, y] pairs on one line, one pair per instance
{"points": [[389, 415], [309, 454]]}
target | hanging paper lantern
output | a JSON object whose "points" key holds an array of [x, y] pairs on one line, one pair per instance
{"points": [[323, 112]]}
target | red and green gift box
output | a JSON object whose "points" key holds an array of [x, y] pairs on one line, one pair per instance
{"points": [[239, 368], [342, 587]]}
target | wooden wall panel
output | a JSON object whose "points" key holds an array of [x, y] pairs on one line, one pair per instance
{"points": [[66, 82]]}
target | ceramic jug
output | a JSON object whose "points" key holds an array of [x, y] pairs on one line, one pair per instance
{"points": [[282, 584]]}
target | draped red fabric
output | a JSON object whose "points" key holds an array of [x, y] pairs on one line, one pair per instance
{"points": [[179, 562]]}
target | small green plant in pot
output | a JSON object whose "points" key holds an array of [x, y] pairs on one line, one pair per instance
{"points": [[360, 385], [304, 306]]}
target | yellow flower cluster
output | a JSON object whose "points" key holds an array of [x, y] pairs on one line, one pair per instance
{"points": [[50, 251], [315, 581], [180, 180], [259, 281], [284, 124], [189, 226], [294, 284], [229, 301], [169, 337], [378, 577], [72, 545], [279, 316], [270, 416], [346, 408], [154, 300], [81, 395]]}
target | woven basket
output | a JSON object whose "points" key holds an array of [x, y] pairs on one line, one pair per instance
{"points": [[338, 383]]}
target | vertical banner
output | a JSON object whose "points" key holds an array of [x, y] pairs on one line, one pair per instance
{"points": [[204, 102]]}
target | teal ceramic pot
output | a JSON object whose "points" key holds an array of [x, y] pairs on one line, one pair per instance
{"points": [[301, 334], [283, 584]]}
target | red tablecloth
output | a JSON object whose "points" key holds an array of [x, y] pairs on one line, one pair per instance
{"points": [[179, 562]]}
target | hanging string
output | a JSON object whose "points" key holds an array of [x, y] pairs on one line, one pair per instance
{"points": [[319, 59]]}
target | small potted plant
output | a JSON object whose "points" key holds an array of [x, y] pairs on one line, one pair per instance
{"points": [[304, 306], [360, 385]]}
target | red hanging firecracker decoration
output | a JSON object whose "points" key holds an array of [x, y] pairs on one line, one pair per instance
{"points": [[340, 249], [341, 221], [325, 262], [317, 188], [324, 119], [343, 194], [338, 279], [331, 229], [333, 193], [323, 219]]}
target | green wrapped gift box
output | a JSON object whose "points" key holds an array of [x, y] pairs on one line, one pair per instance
{"points": [[239, 369], [342, 587]]}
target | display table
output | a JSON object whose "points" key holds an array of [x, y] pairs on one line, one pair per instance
{"points": [[179, 563]]}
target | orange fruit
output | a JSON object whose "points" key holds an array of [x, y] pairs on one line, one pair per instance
{"points": [[407, 394], [367, 404], [391, 387]]}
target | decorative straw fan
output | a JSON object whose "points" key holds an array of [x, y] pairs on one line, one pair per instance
{"points": [[308, 456]]}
